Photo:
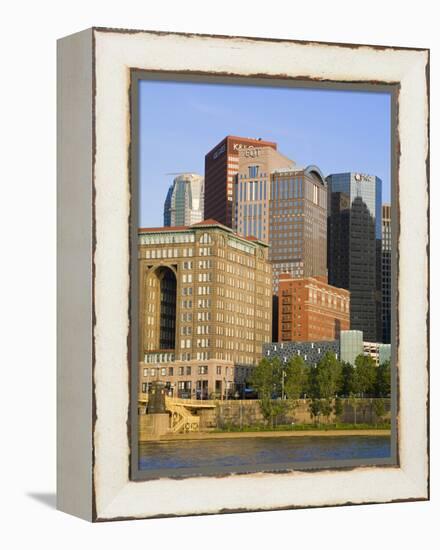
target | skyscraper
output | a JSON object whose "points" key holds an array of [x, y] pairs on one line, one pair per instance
{"points": [[298, 223], [184, 201], [386, 273], [354, 247], [286, 206], [167, 207], [252, 189], [221, 167]]}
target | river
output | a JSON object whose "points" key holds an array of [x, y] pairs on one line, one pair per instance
{"points": [[265, 451]]}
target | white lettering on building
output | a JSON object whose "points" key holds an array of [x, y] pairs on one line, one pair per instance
{"points": [[219, 151]]}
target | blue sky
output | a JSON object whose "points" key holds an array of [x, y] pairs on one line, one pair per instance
{"points": [[340, 131]]}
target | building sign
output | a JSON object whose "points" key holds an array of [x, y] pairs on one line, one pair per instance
{"points": [[247, 150], [239, 146], [219, 151], [363, 177]]}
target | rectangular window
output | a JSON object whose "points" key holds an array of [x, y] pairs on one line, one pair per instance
{"points": [[253, 171]]}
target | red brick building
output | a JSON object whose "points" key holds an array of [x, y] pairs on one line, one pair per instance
{"points": [[311, 310], [221, 167]]}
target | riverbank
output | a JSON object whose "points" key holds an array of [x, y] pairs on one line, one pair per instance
{"points": [[197, 436]]}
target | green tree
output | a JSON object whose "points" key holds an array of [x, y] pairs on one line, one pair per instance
{"points": [[364, 405], [279, 407], [379, 409], [383, 380], [353, 401], [364, 375], [338, 408], [263, 379], [295, 381], [326, 408], [266, 380], [315, 409], [326, 377], [348, 383]]}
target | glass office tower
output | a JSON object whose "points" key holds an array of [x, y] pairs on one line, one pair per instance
{"points": [[184, 203], [386, 273], [355, 247]]}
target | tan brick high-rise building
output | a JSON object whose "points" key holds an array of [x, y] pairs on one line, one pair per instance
{"points": [[205, 307], [311, 310], [252, 191]]}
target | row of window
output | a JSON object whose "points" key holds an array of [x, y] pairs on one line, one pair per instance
{"points": [[165, 253], [167, 239], [180, 371], [252, 190]]}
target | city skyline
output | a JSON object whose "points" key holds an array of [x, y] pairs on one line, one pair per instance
{"points": [[339, 131]]}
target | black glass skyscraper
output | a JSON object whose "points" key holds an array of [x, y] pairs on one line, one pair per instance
{"points": [[386, 273], [354, 247]]}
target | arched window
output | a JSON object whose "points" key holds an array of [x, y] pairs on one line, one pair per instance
{"points": [[206, 238]]}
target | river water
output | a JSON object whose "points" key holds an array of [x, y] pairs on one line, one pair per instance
{"points": [[266, 451]]}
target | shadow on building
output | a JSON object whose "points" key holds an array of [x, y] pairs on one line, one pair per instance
{"points": [[354, 261]]}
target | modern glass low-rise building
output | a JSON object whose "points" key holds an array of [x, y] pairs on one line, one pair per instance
{"points": [[352, 345], [384, 353]]}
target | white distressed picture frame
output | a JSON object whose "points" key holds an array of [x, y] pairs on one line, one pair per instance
{"points": [[94, 273]]}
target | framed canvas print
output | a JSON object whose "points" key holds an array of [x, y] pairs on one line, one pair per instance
{"points": [[243, 274]]}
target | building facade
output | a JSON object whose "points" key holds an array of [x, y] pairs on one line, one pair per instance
{"points": [[252, 190], [352, 345], [386, 273], [221, 168], [204, 305], [310, 352], [378, 352], [311, 310], [298, 223], [184, 203], [349, 346], [167, 207], [354, 247]]}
